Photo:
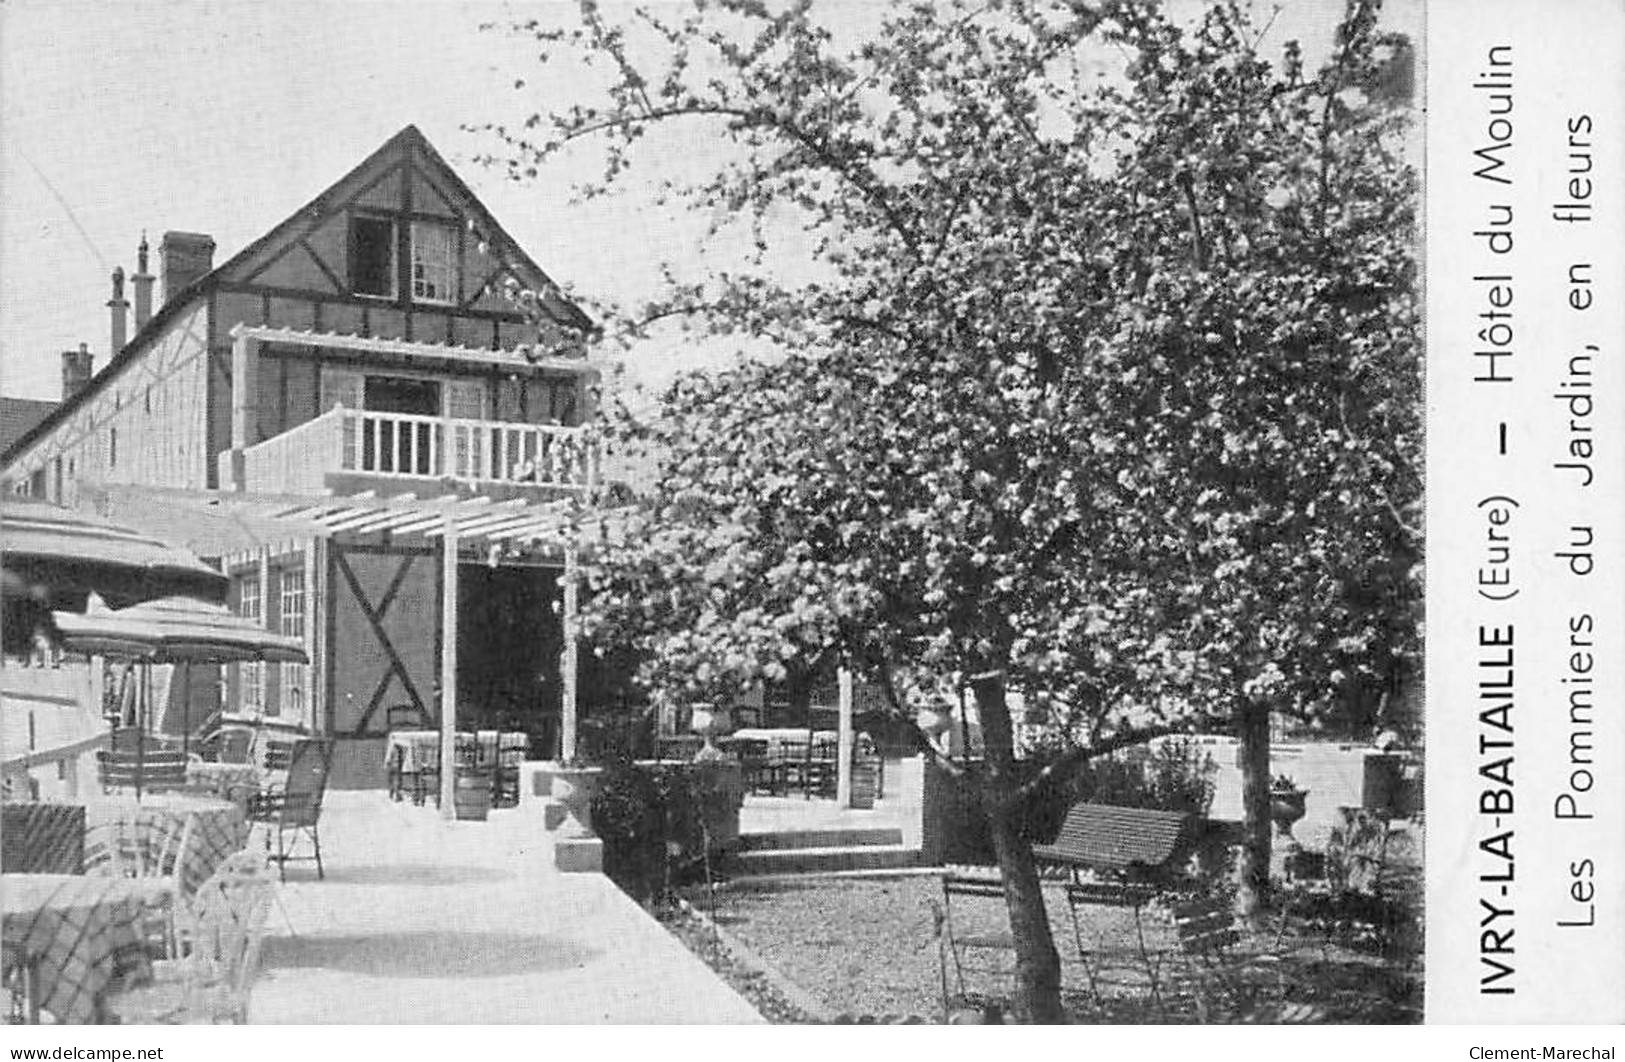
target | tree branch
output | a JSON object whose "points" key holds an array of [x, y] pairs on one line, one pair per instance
{"points": [[1074, 760]]}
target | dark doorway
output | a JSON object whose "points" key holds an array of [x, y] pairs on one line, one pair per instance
{"points": [[509, 636], [400, 445]]}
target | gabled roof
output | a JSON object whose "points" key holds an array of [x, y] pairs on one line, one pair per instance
{"points": [[18, 416], [407, 140]]}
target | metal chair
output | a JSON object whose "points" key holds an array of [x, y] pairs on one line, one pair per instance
{"points": [[1225, 980], [295, 807], [511, 749], [1081, 895], [146, 770], [958, 945], [426, 779], [235, 746], [222, 928]]}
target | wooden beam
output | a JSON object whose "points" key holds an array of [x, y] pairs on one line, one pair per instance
{"points": [[569, 659], [843, 744], [448, 668]]}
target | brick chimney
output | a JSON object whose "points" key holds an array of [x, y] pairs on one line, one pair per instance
{"points": [[183, 257], [143, 286], [77, 366], [118, 309]]}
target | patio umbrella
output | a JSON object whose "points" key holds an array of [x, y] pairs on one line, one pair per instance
{"points": [[175, 630], [53, 558]]}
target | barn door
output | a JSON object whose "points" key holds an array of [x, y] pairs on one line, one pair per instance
{"points": [[384, 650]]}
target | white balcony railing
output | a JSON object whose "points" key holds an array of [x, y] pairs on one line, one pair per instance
{"points": [[405, 444]]}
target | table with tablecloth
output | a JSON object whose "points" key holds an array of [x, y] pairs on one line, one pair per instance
{"points": [[408, 753], [78, 934], [219, 829]]}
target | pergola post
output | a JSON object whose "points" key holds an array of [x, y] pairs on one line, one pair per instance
{"points": [[244, 411], [569, 659], [448, 668], [844, 737]]}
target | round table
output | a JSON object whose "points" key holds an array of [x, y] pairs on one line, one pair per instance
{"points": [[219, 828], [79, 935]]}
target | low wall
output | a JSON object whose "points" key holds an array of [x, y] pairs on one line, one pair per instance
{"points": [[1336, 775]]}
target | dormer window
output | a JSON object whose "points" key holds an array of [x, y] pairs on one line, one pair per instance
{"points": [[372, 256], [433, 248]]}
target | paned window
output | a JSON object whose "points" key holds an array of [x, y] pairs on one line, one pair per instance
{"points": [[291, 619], [433, 249], [251, 676]]}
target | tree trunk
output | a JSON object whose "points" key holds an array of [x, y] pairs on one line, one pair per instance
{"points": [[1038, 965], [1253, 733]]}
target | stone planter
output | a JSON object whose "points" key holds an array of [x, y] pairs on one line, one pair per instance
{"points": [[1287, 806], [708, 721], [573, 790]]}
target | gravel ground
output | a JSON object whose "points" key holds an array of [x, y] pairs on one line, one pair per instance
{"points": [[867, 948]]}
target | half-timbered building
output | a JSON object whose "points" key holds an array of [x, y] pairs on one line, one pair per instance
{"points": [[358, 418]]}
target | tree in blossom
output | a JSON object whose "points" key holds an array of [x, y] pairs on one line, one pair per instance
{"points": [[1103, 384]]}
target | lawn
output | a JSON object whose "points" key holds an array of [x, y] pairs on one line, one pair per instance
{"points": [[868, 947]]}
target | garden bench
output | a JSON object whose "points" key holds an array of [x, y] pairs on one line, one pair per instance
{"points": [[1131, 849]]}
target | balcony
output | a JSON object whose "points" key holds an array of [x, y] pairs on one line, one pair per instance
{"points": [[402, 446]]}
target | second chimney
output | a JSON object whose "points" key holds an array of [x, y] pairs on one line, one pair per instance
{"points": [[118, 308], [142, 280], [183, 257], [76, 370]]}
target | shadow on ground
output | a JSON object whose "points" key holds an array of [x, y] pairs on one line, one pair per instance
{"points": [[428, 953]]}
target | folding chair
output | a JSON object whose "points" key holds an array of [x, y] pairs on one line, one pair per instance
{"points": [[1225, 979], [957, 944], [1081, 895]]}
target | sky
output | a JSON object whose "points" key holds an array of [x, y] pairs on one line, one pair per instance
{"points": [[226, 117]]}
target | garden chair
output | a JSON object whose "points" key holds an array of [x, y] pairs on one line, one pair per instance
{"points": [[294, 808], [235, 746], [755, 766], [426, 779], [1098, 960], [153, 769], [972, 893], [1223, 979], [221, 931], [125, 847], [821, 768], [511, 749], [275, 754]]}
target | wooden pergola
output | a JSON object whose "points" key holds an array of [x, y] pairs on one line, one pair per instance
{"points": [[524, 517]]}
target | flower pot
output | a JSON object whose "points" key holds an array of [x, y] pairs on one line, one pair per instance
{"points": [[1287, 806]]}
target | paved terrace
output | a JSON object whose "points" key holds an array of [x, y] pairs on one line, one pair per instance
{"points": [[423, 921]]}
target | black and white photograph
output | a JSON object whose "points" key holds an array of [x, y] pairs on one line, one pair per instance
{"points": [[724, 512]]}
